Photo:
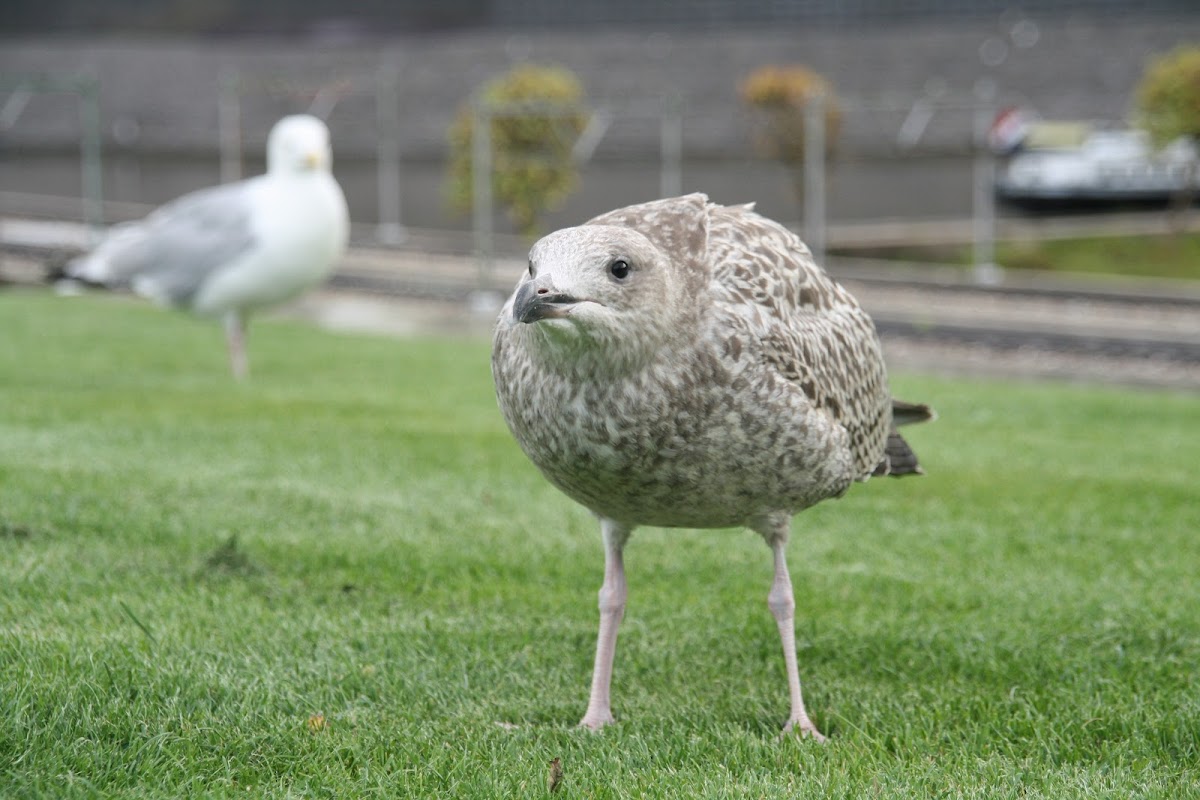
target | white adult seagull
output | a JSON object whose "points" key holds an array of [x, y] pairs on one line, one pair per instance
{"points": [[228, 250]]}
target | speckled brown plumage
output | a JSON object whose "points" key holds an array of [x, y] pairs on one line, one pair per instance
{"points": [[685, 364]]}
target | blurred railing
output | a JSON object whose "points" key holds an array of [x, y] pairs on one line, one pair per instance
{"points": [[930, 144], [20, 90]]}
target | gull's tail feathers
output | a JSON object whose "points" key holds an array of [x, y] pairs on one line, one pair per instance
{"points": [[898, 458]]}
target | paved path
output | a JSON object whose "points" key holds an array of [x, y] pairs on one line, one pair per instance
{"points": [[934, 319]]}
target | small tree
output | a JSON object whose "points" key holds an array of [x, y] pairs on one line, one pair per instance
{"points": [[779, 96], [1168, 101], [536, 115]]}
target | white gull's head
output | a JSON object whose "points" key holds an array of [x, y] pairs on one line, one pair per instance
{"points": [[299, 144]]}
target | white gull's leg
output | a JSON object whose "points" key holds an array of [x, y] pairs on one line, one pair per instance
{"points": [[235, 337], [612, 608]]}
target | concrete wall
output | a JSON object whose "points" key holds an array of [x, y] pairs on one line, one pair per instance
{"points": [[161, 95]]}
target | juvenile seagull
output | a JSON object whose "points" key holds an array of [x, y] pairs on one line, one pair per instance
{"points": [[228, 250], [685, 364]]}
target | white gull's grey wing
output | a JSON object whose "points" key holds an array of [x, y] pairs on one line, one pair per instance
{"points": [[171, 253]]}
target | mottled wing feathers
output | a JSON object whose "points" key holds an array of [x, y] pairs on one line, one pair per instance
{"points": [[810, 329], [772, 294]]}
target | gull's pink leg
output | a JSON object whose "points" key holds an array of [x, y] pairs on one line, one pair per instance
{"points": [[235, 337], [783, 607], [612, 608]]}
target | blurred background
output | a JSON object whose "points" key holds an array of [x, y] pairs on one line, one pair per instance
{"points": [[108, 109]]}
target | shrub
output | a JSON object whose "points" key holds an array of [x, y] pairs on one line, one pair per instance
{"points": [[1169, 108], [1168, 97], [537, 114], [780, 96]]}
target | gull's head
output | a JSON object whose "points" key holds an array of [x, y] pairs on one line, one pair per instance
{"points": [[298, 144], [599, 287]]}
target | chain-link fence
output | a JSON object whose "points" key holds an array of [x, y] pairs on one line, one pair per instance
{"points": [[898, 158], [892, 162], [75, 100]]}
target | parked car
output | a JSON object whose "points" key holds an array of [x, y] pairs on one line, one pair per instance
{"points": [[1079, 163]]}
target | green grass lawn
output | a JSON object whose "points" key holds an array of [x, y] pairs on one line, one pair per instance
{"points": [[195, 574], [1164, 256]]}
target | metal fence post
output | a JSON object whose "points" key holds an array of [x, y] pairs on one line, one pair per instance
{"points": [[481, 185], [983, 222], [387, 112], [229, 125], [671, 148], [814, 175], [90, 154]]}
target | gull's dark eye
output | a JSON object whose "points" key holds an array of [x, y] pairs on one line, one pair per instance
{"points": [[619, 269], [531, 267]]}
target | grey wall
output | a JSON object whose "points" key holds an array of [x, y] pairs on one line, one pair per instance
{"points": [[161, 95]]}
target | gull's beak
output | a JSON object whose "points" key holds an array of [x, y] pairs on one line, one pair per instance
{"points": [[538, 299]]}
